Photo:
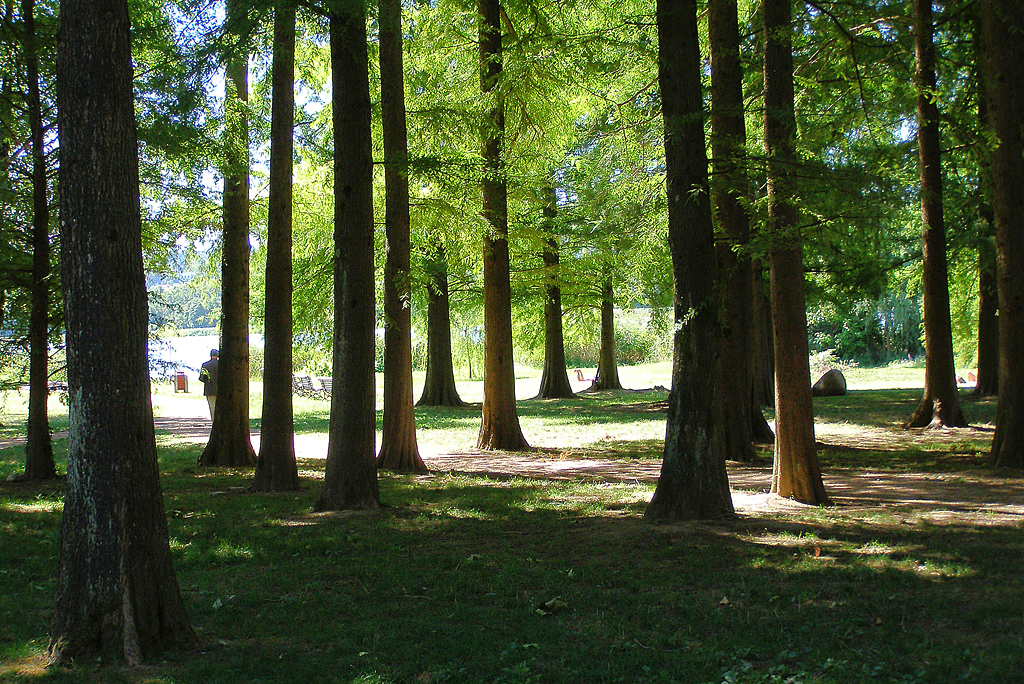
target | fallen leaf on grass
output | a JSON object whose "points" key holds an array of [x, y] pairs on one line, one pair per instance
{"points": [[552, 606]]}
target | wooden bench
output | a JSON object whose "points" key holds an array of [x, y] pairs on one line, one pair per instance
{"points": [[303, 386]]}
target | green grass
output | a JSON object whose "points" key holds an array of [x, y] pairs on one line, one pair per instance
{"points": [[516, 580]]}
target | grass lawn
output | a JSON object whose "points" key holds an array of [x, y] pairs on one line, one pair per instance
{"points": [[515, 580]]}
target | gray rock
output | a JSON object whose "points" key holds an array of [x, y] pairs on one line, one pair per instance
{"points": [[831, 384]]}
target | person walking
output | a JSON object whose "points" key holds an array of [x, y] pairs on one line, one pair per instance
{"points": [[208, 376]]}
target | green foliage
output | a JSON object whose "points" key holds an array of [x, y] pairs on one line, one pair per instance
{"points": [[871, 332], [641, 336]]}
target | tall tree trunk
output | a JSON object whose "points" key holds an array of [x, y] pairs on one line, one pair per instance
{"points": [[693, 482], [796, 473], [987, 383], [607, 375], [940, 402], [439, 385], [1004, 26], [117, 596], [762, 342], [350, 478], [229, 443], [554, 380], [276, 469], [38, 446], [762, 354], [987, 379], [398, 449], [499, 424], [729, 190]]}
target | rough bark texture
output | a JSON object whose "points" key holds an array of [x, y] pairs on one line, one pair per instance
{"points": [[693, 483], [941, 402], [398, 450], [796, 473], [728, 192], [1004, 28], [987, 379], [229, 443], [276, 469], [762, 343], [117, 596], [439, 387], [499, 424], [350, 478], [38, 445], [554, 380], [987, 384], [607, 375]]}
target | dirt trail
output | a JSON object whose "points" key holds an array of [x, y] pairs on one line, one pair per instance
{"points": [[990, 498]]}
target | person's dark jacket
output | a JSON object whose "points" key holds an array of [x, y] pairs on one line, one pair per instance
{"points": [[208, 376]]}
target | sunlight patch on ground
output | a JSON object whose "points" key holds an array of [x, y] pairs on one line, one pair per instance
{"points": [[34, 666], [749, 503], [894, 438], [37, 507]]}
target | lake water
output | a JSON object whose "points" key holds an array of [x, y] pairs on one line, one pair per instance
{"points": [[186, 354]]}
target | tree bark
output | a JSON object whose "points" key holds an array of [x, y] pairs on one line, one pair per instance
{"points": [[439, 387], [762, 343], [229, 443], [987, 379], [117, 596], [941, 402], [728, 191], [350, 477], [38, 446], [693, 482], [276, 469], [499, 424], [1004, 24], [399, 450], [607, 375], [987, 383], [796, 472], [554, 380]]}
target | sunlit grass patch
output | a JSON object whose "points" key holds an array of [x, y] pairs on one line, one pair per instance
{"points": [[24, 661], [41, 506]]}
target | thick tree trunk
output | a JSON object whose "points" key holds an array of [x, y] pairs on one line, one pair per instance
{"points": [[796, 473], [941, 402], [38, 446], [607, 375], [762, 344], [276, 469], [987, 384], [439, 385], [399, 450], [1004, 26], [499, 424], [229, 443], [987, 379], [350, 478], [554, 380], [117, 597], [693, 482], [729, 191]]}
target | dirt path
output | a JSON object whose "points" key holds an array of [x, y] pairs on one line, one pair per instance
{"points": [[940, 498]]}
